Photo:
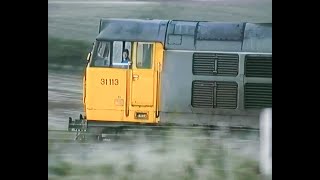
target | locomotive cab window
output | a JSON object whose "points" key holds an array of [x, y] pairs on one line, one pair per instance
{"points": [[101, 56], [116, 54], [144, 55]]}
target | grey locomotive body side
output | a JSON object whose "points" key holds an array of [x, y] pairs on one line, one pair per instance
{"points": [[216, 73], [213, 73]]}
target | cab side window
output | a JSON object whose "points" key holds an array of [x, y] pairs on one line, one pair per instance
{"points": [[101, 55], [110, 54], [144, 55], [117, 51]]}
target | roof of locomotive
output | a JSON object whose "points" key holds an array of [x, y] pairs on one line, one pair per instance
{"points": [[132, 30], [190, 35]]}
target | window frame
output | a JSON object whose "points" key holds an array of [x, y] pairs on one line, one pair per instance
{"points": [[111, 54], [152, 55]]}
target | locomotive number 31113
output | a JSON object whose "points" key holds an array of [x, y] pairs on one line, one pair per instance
{"points": [[109, 81]]}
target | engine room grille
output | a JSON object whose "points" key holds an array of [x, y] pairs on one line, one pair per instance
{"points": [[214, 94], [215, 64], [202, 94], [257, 95], [258, 66], [227, 95]]}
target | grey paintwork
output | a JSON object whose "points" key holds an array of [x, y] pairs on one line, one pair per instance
{"points": [[219, 36], [257, 38], [182, 35], [176, 84], [132, 30], [176, 93]]}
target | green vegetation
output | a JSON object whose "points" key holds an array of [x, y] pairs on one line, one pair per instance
{"points": [[161, 158], [67, 52], [243, 169]]}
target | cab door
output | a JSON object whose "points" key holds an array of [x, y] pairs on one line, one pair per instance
{"points": [[144, 82], [143, 76]]}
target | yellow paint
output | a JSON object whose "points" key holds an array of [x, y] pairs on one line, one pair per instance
{"points": [[143, 82], [104, 115], [119, 102], [112, 94], [84, 91], [142, 88], [103, 86]]}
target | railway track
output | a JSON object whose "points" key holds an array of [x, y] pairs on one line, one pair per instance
{"points": [[194, 134]]}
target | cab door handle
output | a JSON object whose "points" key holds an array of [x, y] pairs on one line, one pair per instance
{"points": [[135, 77]]}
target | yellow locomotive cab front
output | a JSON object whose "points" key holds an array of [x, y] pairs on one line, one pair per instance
{"points": [[117, 91]]}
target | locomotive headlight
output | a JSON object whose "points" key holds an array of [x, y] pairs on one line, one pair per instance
{"points": [[141, 115]]}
